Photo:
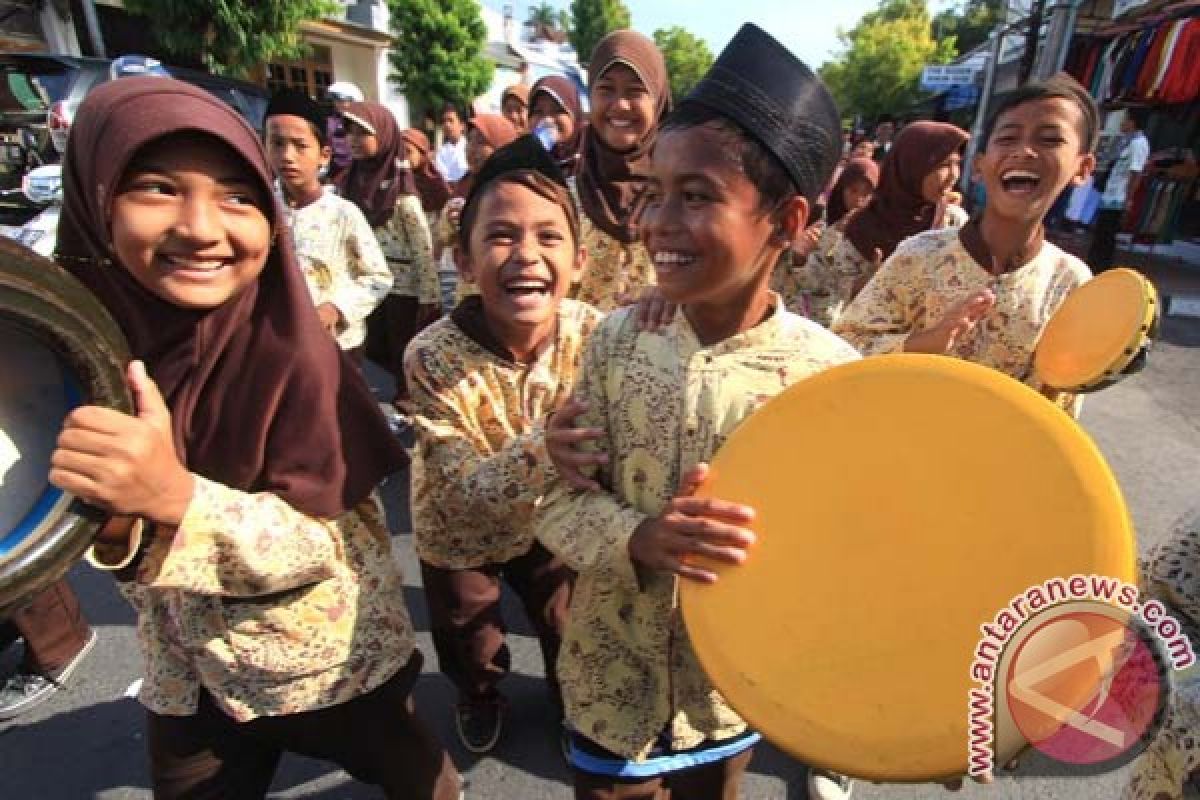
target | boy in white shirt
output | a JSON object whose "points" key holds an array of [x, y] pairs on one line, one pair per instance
{"points": [[1119, 192], [343, 264]]}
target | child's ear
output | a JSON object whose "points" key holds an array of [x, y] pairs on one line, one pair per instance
{"points": [[792, 220], [462, 262], [1087, 165], [581, 257]]}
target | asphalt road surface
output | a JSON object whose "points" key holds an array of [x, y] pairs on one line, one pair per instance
{"points": [[87, 741]]}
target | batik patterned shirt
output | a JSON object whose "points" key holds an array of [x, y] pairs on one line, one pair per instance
{"points": [[480, 466], [269, 610], [835, 267], [665, 402], [616, 272], [342, 261], [408, 247], [932, 272]]}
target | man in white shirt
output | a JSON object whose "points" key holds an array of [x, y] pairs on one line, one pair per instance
{"points": [[451, 159], [1119, 192]]}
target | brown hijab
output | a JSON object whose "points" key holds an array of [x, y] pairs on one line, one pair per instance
{"points": [[856, 169], [611, 183], [563, 92], [430, 184], [517, 90], [261, 398], [897, 210], [373, 184], [497, 131]]}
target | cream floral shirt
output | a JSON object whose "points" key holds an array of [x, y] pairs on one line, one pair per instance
{"points": [[342, 261], [665, 403], [1171, 573], [615, 273], [271, 611], [829, 275], [408, 246], [828, 278], [480, 466], [931, 272]]}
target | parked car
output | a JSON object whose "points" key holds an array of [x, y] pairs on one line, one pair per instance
{"points": [[39, 95]]}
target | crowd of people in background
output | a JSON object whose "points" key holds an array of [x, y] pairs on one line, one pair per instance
{"points": [[491, 275]]}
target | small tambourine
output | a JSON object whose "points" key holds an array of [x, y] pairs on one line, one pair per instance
{"points": [[1102, 332], [59, 349], [902, 502]]}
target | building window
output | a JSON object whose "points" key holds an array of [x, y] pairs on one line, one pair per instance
{"points": [[311, 74]]}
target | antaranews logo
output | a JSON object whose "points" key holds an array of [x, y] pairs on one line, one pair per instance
{"points": [[1079, 668]]}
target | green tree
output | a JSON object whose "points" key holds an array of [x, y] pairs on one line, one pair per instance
{"points": [[230, 37], [542, 14], [546, 16], [969, 22], [879, 69], [437, 55], [592, 20], [687, 57]]}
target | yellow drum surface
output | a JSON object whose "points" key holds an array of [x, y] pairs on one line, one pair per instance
{"points": [[1099, 329], [903, 501]]}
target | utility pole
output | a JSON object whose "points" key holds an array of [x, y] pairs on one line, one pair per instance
{"points": [[1032, 37], [1059, 29]]}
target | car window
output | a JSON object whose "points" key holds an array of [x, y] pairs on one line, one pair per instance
{"points": [[25, 89], [255, 108]]}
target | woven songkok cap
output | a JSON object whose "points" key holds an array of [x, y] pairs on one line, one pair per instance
{"points": [[774, 97]]}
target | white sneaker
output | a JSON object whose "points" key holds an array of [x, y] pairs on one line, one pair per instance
{"points": [[825, 785]]}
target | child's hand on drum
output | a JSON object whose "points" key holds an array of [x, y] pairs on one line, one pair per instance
{"points": [[563, 443], [124, 464], [958, 321], [693, 526]]}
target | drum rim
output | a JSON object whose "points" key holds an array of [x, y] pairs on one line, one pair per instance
{"points": [[689, 592], [1139, 344], [46, 302]]}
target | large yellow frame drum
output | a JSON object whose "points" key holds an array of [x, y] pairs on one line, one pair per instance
{"points": [[902, 502]]}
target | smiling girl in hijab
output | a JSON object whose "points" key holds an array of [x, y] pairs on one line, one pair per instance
{"points": [[629, 93], [555, 100], [249, 535], [431, 186], [381, 183], [915, 193]]}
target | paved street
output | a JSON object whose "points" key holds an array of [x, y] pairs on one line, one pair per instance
{"points": [[87, 741]]}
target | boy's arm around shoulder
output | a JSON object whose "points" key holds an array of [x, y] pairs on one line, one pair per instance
{"points": [[886, 312], [590, 530], [464, 471]]}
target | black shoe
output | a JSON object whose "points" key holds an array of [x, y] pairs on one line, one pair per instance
{"points": [[22, 691], [478, 722]]}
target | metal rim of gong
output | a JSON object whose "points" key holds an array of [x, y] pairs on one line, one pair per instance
{"points": [[42, 300]]}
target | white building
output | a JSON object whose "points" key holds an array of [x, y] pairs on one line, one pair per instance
{"points": [[509, 45]]}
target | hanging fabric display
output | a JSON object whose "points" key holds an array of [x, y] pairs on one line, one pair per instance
{"points": [[1157, 64]]}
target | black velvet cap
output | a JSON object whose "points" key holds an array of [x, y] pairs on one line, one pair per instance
{"points": [[294, 103], [773, 96], [526, 153]]}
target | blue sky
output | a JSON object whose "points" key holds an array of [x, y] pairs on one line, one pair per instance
{"points": [[808, 29]]}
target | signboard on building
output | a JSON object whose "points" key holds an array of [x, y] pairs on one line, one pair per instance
{"points": [[943, 77]]}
